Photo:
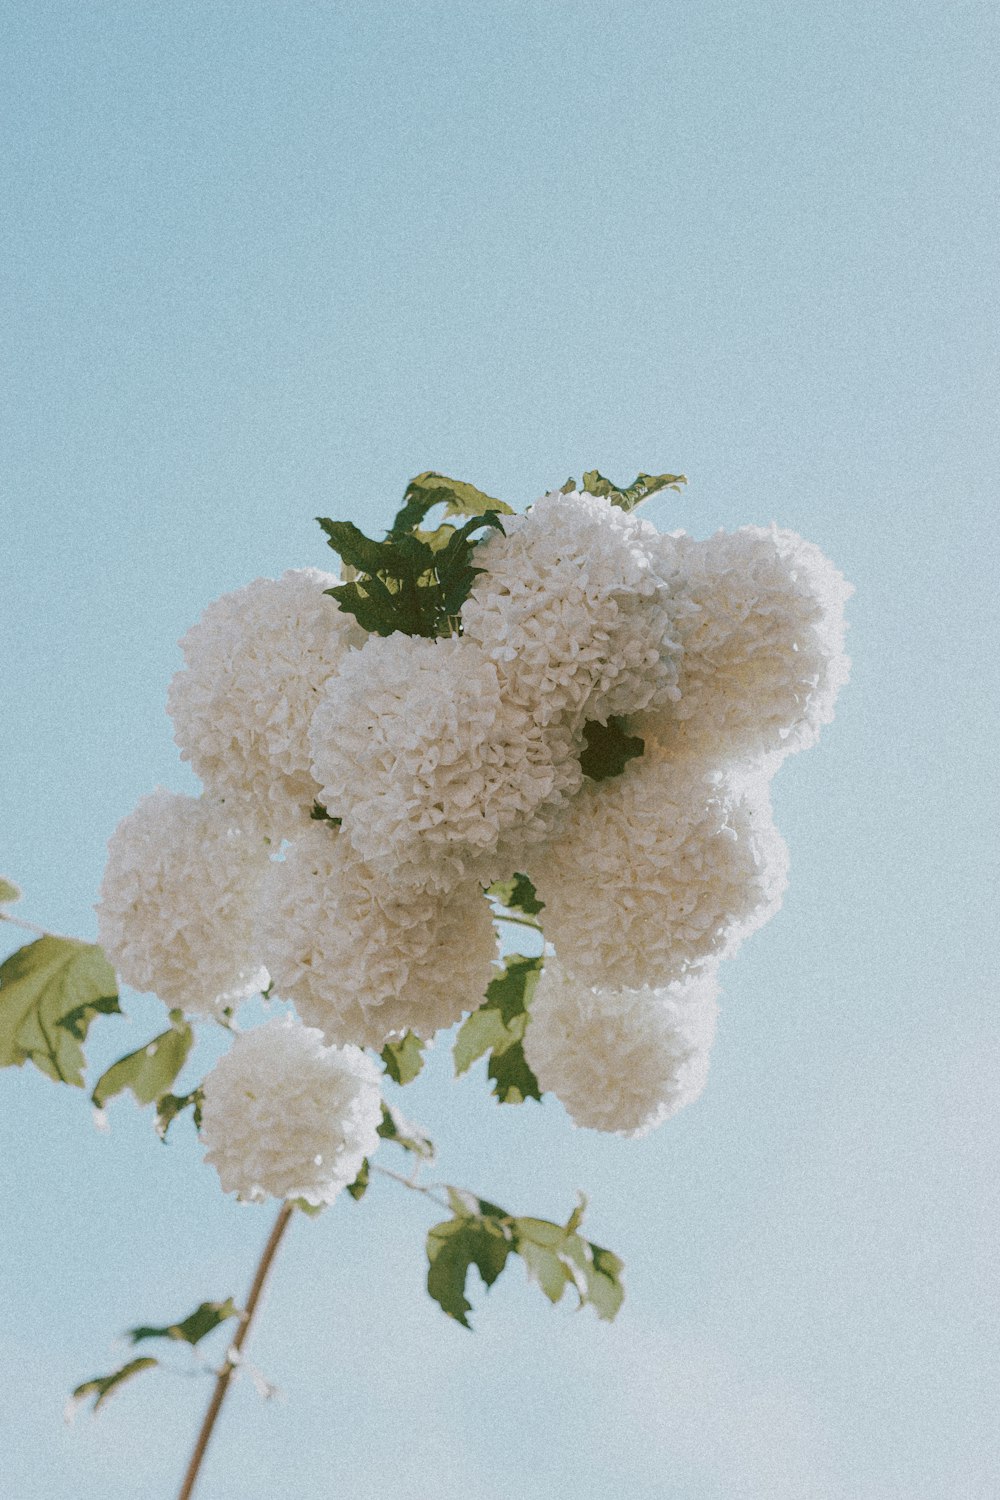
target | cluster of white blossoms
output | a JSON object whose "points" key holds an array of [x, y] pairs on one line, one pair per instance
{"points": [[361, 790], [285, 1116]]}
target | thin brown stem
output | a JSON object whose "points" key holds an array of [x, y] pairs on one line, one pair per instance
{"points": [[232, 1358]]}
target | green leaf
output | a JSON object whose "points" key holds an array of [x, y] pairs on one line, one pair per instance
{"points": [[556, 1256], [359, 1186], [458, 498], [320, 815], [498, 1027], [639, 490], [356, 549], [169, 1106], [206, 1317], [395, 1127], [404, 1059], [608, 749], [404, 583], [105, 1385], [50, 991], [454, 1246], [8, 891], [149, 1071], [516, 894]]}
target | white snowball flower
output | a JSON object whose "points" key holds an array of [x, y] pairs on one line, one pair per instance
{"points": [[178, 899], [762, 627], [362, 962], [575, 607], [437, 776], [621, 1060], [658, 871], [286, 1117], [256, 661]]}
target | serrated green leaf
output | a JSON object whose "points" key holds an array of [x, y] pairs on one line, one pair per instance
{"points": [[404, 1058], [545, 1267], [639, 490], [150, 1070], [169, 1106], [359, 1187], [454, 1246], [477, 1035], [608, 749], [8, 891], [404, 584], [356, 549], [498, 1027], [457, 497], [105, 1385], [396, 1128], [50, 991], [594, 1272], [517, 894], [513, 1080], [206, 1317]]}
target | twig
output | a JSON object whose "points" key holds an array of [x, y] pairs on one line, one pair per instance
{"points": [[232, 1358]]}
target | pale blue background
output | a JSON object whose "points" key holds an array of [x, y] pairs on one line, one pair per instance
{"points": [[267, 261]]}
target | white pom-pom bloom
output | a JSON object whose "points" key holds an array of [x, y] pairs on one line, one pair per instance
{"points": [[659, 870], [177, 903], [256, 661], [286, 1117], [621, 1060], [575, 607], [435, 774], [762, 627], [362, 963]]}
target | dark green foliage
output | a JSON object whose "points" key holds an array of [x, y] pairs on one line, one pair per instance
{"points": [[104, 1386], [169, 1106], [608, 749], [516, 894], [404, 1059], [555, 1255], [320, 815], [414, 582], [8, 891], [498, 1027], [149, 1071], [395, 1127], [639, 490], [50, 991], [359, 1187], [206, 1317], [479, 1238]]}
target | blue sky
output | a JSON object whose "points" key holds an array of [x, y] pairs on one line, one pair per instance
{"points": [[264, 262]]}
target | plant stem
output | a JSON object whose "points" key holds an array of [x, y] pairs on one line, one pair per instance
{"points": [[518, 921], [232, 1358], [5, 916]]}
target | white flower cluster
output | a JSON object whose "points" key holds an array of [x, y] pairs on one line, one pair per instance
{"points": [[256, 661], [660, 871], [434, 771], [576, 607], [361, 960], [285, 1116], [178, 903], [361, 789], [621, 1059]]}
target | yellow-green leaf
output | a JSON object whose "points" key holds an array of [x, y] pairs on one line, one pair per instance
{"points": [[50, 991]]}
